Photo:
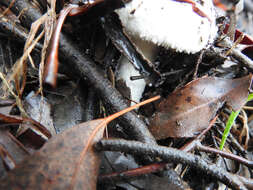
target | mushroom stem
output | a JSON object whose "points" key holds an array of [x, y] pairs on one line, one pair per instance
{"points": [[126, 70]]}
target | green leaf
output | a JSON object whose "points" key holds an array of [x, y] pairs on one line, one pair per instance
{"points": [[250, 97], [229, 125], [231, 121]]}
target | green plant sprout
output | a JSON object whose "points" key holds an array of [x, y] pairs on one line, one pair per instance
{"points": [[230, 123]]}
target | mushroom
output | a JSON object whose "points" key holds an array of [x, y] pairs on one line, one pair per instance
{"points": [[182, 25]]}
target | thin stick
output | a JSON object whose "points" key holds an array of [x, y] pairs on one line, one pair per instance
{"points": [[230, 156], [198, 63], [112, 117]]}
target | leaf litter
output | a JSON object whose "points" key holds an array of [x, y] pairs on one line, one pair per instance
{"points": [[63, 163], [218, 102]]}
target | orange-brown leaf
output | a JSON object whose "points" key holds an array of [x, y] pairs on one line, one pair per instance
{"points": [[67, 161], [54, 165]]}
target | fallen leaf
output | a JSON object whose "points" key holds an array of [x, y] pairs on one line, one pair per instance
{"points": [[14, 120], [66, 161], [68, 96], [39, 109], [13, 146], [7, 159], [188, 110], [11, 152]]}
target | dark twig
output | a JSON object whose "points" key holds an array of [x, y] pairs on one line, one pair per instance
{"points": [[29, 13], [194, 144], [119, 176], [91, 106], [87, 69], [239, 159], [124, 45], [173, 179], [198, 63], [218, 55], [15, 30], [174, 155], [156, 166]]}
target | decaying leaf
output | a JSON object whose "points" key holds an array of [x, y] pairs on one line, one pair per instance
{"points": [[11, 151], [39, 109], [66, 161], [14, 120], [13, 146], [188, 110]]}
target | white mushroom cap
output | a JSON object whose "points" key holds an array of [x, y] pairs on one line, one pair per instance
{"points": [[170, 23]]}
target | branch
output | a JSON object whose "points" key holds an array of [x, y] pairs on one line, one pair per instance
{"points": [[177, 156]]}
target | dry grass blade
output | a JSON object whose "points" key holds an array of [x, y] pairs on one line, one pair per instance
{"points": [[51, 67], [10, 90], [8, 8], [18, 74], [49, 27]]}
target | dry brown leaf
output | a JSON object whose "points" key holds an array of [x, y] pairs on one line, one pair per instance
{"points": [[39, 109], [67, 161], [14, 120], [11, 151], [188, 110]]}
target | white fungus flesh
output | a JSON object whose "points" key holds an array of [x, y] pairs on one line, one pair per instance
{"points": [[167, 23], [126, 69], [170, 23]]}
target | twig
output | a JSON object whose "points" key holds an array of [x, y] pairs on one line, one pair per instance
{"points": [[7, 9], [243, 59], [245, 130], [174, 155], [198, 63], [17, 31], [156, 166], [116, 176], [91, 106], [238, 55], [239, 159]]}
